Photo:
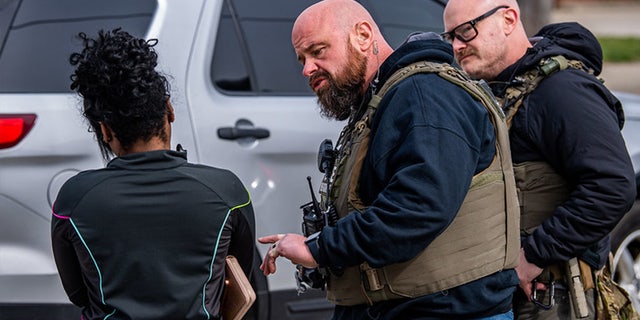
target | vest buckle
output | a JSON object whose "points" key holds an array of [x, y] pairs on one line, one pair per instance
{"points": [[370, 278]]}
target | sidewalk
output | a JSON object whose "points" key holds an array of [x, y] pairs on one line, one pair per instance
{"points": [[608, 19]]}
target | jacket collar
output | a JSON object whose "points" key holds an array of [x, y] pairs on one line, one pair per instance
{"points": [[152, 160], [568, 39], [418, 47]]}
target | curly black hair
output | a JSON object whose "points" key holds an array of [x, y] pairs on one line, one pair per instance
{"points": [[116, 77]]}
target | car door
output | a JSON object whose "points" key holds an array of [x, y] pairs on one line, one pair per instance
{"points": [[36, 39], [252, 111]]}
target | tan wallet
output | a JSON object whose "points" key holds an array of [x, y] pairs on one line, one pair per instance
{"points": [[238, 294]]}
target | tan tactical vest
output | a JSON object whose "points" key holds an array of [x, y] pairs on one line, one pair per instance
{"points": [[482, 239]]}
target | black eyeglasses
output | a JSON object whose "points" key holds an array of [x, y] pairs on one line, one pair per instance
{"points": [[467, 31]]}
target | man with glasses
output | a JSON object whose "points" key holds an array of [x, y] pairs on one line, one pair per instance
{"points": [[574, 175]]}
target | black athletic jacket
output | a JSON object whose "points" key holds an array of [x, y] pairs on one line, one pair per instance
{"points": [[146, 237], [573, 122]]}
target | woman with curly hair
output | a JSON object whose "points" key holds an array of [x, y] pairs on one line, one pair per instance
{"points": [[147, 236]]}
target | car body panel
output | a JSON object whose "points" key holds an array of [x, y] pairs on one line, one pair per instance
{"points": [[625, 238], [631, 129], [274, 169]]}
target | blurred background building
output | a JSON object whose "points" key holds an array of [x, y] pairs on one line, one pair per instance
{"points": [[605, 18]]}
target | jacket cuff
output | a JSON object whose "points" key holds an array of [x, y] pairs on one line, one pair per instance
{"points": [[314, 247], [529, 253]]}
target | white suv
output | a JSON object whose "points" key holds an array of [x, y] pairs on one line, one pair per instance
{"points": [[241, 103]]}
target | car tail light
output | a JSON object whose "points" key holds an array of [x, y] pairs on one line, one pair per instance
{"points": [[14, 127]]}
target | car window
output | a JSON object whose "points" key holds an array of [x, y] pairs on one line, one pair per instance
{"points": [[398, 21], [35, 54], [253, 48], [7, 11], [253, 53]]}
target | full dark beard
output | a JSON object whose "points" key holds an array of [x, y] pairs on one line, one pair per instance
{"points": [[343, 91]]}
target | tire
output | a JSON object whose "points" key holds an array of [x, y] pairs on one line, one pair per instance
{"points": [[625, 243]]}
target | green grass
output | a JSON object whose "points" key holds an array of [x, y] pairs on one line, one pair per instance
{"points": [[620, 49]]}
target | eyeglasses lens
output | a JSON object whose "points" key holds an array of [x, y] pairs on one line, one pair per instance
{"points": [[467, 31]]}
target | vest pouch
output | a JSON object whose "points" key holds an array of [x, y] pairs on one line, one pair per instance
{"points": [[472, 247], [360, 148], [540, 191], [612, 301], [340, 290], [347, 199]]}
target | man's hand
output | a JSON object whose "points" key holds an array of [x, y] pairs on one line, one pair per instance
{"points": [[290, 246], [526, 273]]}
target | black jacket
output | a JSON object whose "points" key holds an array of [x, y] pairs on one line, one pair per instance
{"points": [[572, 121], [429, 137], [146, 237]]}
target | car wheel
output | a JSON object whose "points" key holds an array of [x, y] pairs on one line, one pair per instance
{"points": [[626, 260]]}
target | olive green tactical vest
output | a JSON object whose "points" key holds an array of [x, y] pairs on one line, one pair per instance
{"points": [[482, 239], [540, 189]]}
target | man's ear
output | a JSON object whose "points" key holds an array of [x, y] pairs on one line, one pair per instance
{"points": [[364, 36], [510, 20]]}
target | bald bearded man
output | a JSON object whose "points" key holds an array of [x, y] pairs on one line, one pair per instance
{"points": [[414, 240]]}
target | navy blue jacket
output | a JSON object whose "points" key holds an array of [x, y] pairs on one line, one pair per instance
{"points": [[572, 121], [147, 236], [429, 138]]}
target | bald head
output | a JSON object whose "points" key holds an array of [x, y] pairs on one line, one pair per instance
{"points": [[327, 32], [338, 15], [489, 35], [475, 8]]}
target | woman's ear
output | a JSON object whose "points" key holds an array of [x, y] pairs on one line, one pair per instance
{"points": [[171, 114], [107, 135]]}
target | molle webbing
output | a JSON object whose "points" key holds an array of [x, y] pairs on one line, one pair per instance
{"points": [[540, 191], [528, 81], [482, 239]]}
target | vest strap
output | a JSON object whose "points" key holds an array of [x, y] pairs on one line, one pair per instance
{"points": [[525, 83]]}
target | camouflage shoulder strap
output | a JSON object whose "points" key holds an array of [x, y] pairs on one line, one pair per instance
{"points": [[528, 81]]}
